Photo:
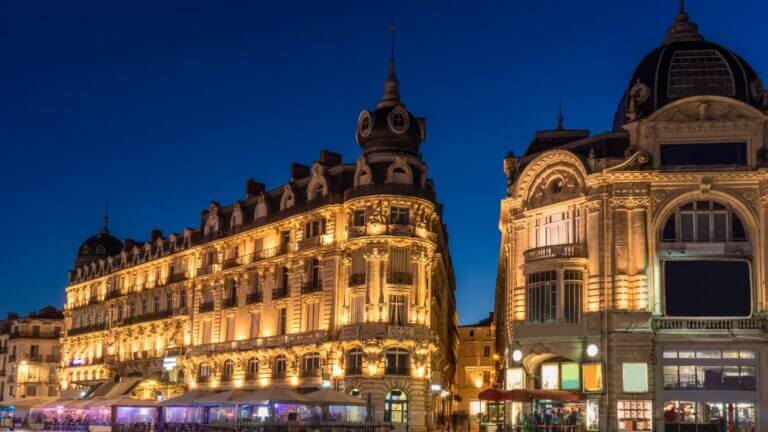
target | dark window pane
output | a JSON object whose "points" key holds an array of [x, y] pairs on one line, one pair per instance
{"points": [[692, 154], [669, 229], [739, 233], [696, 288]]}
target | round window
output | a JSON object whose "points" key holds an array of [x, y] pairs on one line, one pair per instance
{"points": [[398, 120], [364, 123], [556, 186]]}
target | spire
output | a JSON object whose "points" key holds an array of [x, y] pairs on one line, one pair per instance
{"points": [[682, 29], [560, 117], [105, 229], [391, 86]]}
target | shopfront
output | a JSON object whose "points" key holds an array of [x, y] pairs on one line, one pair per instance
{"points": [[709, 389]]}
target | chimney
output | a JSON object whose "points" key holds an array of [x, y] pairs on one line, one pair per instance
{"points": [[253, 188], [299, 171], [156, 234], [329, 158]]}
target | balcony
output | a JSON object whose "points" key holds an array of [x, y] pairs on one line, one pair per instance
{"points": [[32, 335], [726, 326], [573, 250], [397, 370], [206, 307], [177, 277], [356, 231], [208, 269], [53, 358], [154, 316], [310, 242], [400, 230], [232, 262], [385, 330], [311, 287], [86, 329], [306, 338], [111, 294], [34, 358], [278, 293], [271, 252], [357, 279], [401, 278], [390, 189], [229, 303], [254, 297]]}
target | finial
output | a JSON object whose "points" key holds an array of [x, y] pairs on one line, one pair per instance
{"points": [[682, 29], [391, 86], [560, 117], [105, 229]]}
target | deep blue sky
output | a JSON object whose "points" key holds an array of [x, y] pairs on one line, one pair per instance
{"points": [[165, 106]]}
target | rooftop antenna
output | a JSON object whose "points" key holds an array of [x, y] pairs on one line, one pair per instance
{"points": [[560, 117], [105, 229], [681, 6], [392, 29], [391, 86]]}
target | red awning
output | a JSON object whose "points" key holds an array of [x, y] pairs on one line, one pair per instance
{"points": [[528, 395]]}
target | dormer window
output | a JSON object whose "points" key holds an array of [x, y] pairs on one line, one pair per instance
{"points": [[398, 120]]}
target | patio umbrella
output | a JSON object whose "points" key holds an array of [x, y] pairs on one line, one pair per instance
{"points": [[125, 401], [230, 397], [492, 394], [334, 397]]}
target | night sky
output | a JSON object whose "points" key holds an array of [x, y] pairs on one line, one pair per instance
{"points": [[165, 106]]}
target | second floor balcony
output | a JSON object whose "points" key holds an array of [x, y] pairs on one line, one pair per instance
{"points": [[309, 242], [86, 329], [280, 292], [311, 286], [229, 302], [254, 297], [572, 250], [357, 279], [206, 307], [401, 278], [305, 338]]}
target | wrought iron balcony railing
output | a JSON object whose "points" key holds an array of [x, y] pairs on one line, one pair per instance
{"points": [[403, 278], [311, 286], [254, 297], [206, 307], [357, 279], [278, 293]]}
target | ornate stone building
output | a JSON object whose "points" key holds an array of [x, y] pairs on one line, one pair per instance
{"points": [[477, 367], [339, 278], [633, 261]]}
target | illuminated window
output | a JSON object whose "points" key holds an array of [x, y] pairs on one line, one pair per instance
{"points": [[252, 370], [310, 365], [703, 222], [635, 377], [515, 378], [573, 281], [281, 365], [542, 296], [569, 376], [355, 362], [550, 376], [592, 377]]}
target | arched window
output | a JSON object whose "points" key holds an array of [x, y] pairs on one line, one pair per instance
{"points": [[252, 371], [229, 371], [204, 372], [310, 365], [355, 392], [399, 175], [281, 364], [397, 361], [396, 406], [355, 362], [703, 222]]}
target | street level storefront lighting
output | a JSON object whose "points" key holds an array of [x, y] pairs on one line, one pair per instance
{"points": [[592, 350], [517, 355]]}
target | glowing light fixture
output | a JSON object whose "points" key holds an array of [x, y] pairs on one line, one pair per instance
{"points": [[592, 350], [517, 355]]}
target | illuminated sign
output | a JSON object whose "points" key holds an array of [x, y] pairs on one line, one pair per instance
{"points": [[169, 363]]}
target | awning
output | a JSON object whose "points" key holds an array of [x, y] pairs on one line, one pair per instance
{"points": [[528, 395], [281, 395], [122, 401], [230, 397], [334, 397], [185, 400]]}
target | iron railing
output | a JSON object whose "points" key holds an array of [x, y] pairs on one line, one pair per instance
{"points": [[404, 278], [254, 297], [572, 250]]}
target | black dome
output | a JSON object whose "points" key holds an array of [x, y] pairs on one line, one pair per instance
{"points": [[98, 246], [390, 127], [686, 65]]}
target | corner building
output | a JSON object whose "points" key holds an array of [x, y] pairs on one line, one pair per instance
{"points": [[339, 278], [633, 262]]}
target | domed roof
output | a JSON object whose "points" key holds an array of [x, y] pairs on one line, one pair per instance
{"points": [[686, 65], [98, 246], [390, 127]]}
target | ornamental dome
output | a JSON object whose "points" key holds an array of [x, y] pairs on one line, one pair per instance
{"points": [[686, 65], [390, 127], [98, 246]]}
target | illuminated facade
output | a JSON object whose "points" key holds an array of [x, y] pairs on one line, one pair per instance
{"points": [[476, 369], [339, 278], [30, 357], [633, 261]]}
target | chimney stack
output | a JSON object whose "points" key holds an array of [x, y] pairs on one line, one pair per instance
{"points": [[329, 158], [299, 171], [253, 188]]}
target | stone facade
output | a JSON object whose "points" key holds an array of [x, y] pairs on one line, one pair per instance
{"points": [[595, 230], [476, 369], [339, 278]]}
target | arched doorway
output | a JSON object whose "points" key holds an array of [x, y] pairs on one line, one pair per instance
{"points": [[396, 407]]}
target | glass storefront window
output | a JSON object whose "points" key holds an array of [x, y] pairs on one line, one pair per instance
{"points": [[593, 415], [635, 377], [685, 354], [550, 376], [710, 354], [592, 377], [747, 378], [730, 354], [715, 415], [709, 377], [634, 415], [747, 354], [669, 354], [670, 378], [569, 376], [515, 378]]}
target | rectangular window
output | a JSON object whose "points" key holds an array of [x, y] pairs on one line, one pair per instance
{"points": [[230, 335], [555, 229], [314, 228], [206, 336], [399, 266], [704, 154], [542, 297], [569, 376], [255, 323], [358, 309], [282, 321], [398, 216], [486, 351], [31, 390], [358, 218], [398, 310], [573, 281], [635, 377], [311, 319], [706, 278], [515, 378], [550, 376], [634, 415], [592, 377]]}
